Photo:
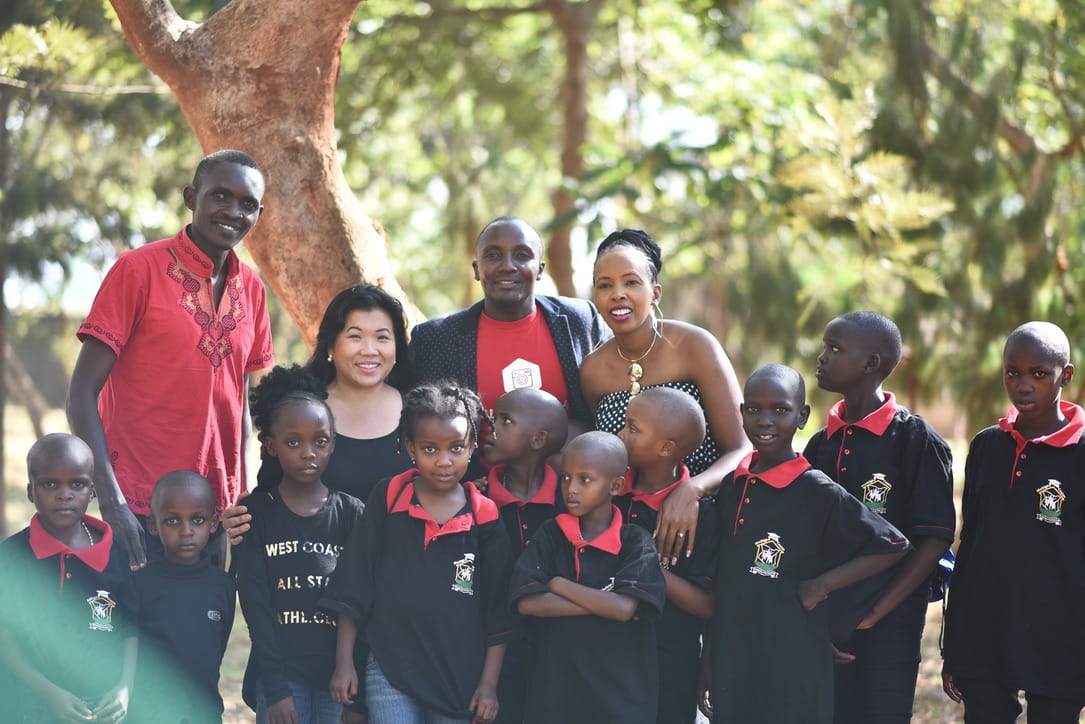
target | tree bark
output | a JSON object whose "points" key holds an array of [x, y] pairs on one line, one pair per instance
{"points": [[576, 20], [260, 76]]}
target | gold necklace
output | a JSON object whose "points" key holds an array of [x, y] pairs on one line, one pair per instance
{"points": [[87, 531], [635, 370]]}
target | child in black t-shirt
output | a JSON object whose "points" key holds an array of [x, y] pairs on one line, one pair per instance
{"points": [[528, 426], [299, 529], [67, 652], [1016, 615], [791, 536], [662, 426], [899, 467], [596, 588], [184, 607], [424, 577]]}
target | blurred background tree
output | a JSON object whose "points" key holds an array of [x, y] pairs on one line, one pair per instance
{"points": [[795, 158]]}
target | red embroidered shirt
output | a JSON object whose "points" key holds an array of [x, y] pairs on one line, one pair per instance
{"points": [[174, 398]]}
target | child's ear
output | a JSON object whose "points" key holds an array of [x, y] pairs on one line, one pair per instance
{"points": [[667, 448], [538, 440], [189, 195], [873, 362], [409, 446], [30, 492], [152, 525], [214, 522], [1067, 375], [617, 484], [804, 415]]}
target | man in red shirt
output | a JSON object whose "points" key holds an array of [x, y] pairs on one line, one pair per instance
{"points": [[512, 338], [176, 327]]}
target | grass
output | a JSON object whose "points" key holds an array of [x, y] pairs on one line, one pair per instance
{"points": [[931, 705]]}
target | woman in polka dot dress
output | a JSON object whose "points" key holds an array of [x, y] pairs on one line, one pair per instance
{"points": [[647, 351]]}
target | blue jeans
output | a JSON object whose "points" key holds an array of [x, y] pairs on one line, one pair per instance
{"points": [[389, 705], [314, 706]]}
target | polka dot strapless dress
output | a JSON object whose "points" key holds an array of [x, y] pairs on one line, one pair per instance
{"points": [[610, 417]]}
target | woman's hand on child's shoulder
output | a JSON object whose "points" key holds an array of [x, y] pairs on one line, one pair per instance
{"points": [[812, 592], [235, 521]]}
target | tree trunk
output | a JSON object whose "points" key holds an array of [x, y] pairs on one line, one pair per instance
{"points": [[576, 20], [18, 381], [260, 76]]}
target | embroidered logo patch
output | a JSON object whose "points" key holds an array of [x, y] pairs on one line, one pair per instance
{"points": [[1051, 500], [214, 615], [876, 493], [767, 556], [463, 580], [101, 611], [609, 586], [521, 373]]}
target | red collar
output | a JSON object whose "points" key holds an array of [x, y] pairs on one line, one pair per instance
{"points": [[400, 499], [876, 422], [497, 492], [195, 259], [652, 500], [609, 541], [1067, 435], [97, 556], [778, 476]]}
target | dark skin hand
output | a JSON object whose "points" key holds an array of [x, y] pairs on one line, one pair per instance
{"points": [[283, 712], [92, 369], [950, 687]]}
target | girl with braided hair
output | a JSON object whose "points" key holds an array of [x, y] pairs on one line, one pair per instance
{"points": [[425, 579]]}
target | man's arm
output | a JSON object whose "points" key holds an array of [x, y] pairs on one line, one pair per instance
{"points": [[92, 369]]}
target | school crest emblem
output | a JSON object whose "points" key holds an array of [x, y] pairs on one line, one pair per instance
{"points": [[767, 554], [463, 579], [1051, 500], [876, 493], [101, 611]]}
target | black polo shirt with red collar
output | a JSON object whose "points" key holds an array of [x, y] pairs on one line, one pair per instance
{"points": [[771, 658], [67, 610], [429, 597], [678, 633], [899, 467], [523, 517], [591, 669], [1017, 604]]}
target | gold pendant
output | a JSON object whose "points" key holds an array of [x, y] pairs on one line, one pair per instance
{"points": [[635, 371], [634, 388]]}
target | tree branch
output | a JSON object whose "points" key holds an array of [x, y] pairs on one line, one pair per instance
{"points": [[93, 90], [154, 28]]}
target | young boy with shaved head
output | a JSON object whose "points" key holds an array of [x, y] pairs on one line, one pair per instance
{"points": [[1016, 615]]}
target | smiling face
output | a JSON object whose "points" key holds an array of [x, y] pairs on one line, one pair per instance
{"points": [[508, 262], [772, 410], [184, 519], [224, 206], [61, 487], [623, 289], [364, 353], [302, 438], [441, 450]]}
